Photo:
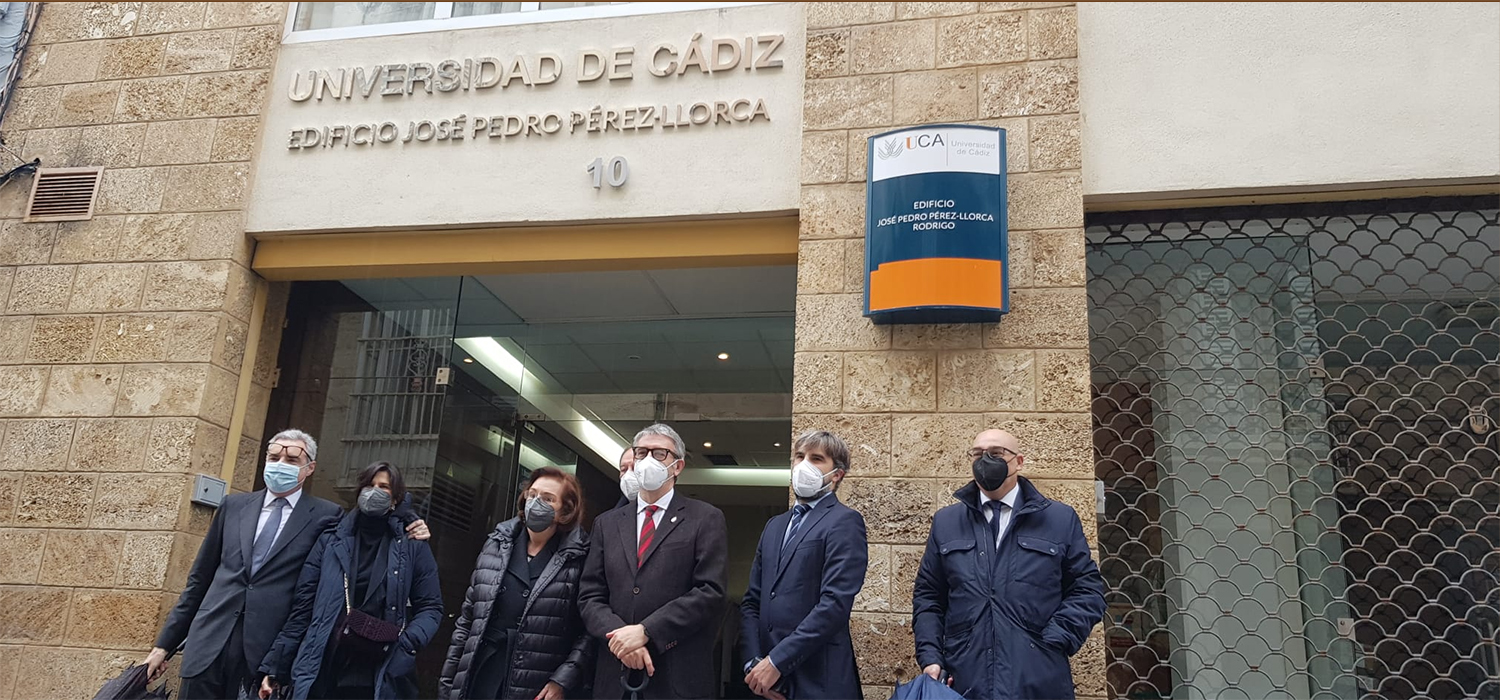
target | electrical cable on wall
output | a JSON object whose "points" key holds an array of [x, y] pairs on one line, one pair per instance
{"points": [[17, 23]]}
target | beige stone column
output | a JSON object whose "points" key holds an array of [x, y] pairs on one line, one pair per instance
{"points": [[911, 398], [122, 337]]}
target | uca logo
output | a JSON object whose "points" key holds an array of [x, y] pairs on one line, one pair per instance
{"points": [[890, 149], [898, 145]]}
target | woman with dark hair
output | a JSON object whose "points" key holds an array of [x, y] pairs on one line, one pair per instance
{"points": [[367, 602], [518, 634]]}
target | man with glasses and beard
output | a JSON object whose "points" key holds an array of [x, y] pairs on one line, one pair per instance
{"points": [[1007, 590]]}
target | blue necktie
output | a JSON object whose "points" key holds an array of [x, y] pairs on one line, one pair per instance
{"points": [[996, 507], [267, 536], [798, 511]]}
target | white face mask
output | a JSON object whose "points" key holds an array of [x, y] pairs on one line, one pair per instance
{"points": [[630, 485], [652, 474], [807, 480]]}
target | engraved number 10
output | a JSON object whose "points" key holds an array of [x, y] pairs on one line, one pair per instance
{"points": [[615, 172]]}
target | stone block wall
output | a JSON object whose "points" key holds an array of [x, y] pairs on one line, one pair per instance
{"points": [[122, 338], [911, 398]]}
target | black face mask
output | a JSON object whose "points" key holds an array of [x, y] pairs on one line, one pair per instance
{"points": [[990, 472]]}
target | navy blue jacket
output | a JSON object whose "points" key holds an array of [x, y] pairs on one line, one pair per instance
{"points": [[796, 610], [413, 598], [1006, 631]]}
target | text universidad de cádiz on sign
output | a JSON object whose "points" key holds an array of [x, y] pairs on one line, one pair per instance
{"points": [[478, 75]]}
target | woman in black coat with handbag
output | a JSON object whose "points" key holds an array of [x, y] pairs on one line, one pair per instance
{"points": [[519, 635]]}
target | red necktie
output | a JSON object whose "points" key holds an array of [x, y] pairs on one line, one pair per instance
{"points": [[648, 530]]}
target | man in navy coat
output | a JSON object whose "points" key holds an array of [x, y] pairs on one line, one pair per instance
{"points": [[1007, 590], [809, 565]]}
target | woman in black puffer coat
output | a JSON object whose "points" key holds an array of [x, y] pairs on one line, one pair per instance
{"points": [[519, 635]]}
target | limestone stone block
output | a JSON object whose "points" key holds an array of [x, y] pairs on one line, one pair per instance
{"points": [[26, 244], [15, 337], [229, 344], [218, 396], [246, 465], [823, 157], [1080, 495], [897, 511], [234, 94], [868, 436], [178, 142], [61, 63], [188, 286], [81, 558], [61, 339], [939, 336], [199, 52], [41, 289], [163, 17], [110, 287], [63, 672], [1009, 6], [1046, 200], [195, 519], [157, 237], [854, 266], [934, 444], [906, 561], [21, 555], [1057, 446], [165, 337], [838, 14], [1043, 318], [893, 47], [10, 664], [112, 618], [111, 145], [144, 560], [875, 596], [34, 108], [981, 380], [832, 211], [255, 47], [57, 147], [241, 14], [817, 381], [859, 155], [981, 39], [31, 615], [934, 96], [1031, 89], [184, 550], [883, 647], [1055, 143], [151, 99], [21, 390], [898, 381], [1021, 268], [135, 502], [132, 190], [919, 10], [1089, 666], [1054, 33], [846, 103], [110, 444], [836, 322], [820, 267], [81, 390], [37, 445], [10, 491], [73, 21], [209, 187], [162, 390], [95, 240], [234, 139], [55, 500], [1062, 380], [186, 445], [255, 413], [1061, 258], [87, 103], [135, 57], [827, 53]]}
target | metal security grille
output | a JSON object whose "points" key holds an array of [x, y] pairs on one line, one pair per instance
{"points": [[1295, 414]]}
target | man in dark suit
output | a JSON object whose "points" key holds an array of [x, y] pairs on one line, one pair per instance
{"points": [[653, 583], [242, 584], [809, 565], [630, 486]]}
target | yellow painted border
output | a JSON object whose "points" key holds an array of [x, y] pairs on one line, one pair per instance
{"points": [[635, 246]]}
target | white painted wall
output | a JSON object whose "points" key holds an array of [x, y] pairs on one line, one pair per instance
{"points": [[1179, 98], [711, 170]]}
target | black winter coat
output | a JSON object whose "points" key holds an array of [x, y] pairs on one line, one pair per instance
{"points": [[551, 643]]}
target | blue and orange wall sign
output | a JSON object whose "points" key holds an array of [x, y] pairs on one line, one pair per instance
{"points": [[935, 229]]}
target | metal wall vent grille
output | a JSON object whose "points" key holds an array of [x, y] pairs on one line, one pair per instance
{"points": [[63, 194]]}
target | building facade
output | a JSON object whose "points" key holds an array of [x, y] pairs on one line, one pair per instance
{"points": [[1252, 337]]}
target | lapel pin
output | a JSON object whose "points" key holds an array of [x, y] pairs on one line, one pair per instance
{"points": [[674, 519]]}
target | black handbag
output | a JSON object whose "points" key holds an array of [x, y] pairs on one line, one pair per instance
{"points": [[364, 634]]}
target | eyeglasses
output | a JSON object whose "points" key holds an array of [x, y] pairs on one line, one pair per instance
{"points": [[285, 453], [660, 454], [996, 452]]}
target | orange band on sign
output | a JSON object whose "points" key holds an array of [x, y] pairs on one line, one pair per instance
{"points": [[936, 282]]}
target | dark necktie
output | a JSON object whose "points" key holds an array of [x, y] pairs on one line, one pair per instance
{"points": [[996, 508], [648, 530], [267, 536], [798, 511]]}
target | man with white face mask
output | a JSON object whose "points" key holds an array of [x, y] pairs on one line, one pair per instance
{"points": [[652, 589], [809, 565], [630, 483]]}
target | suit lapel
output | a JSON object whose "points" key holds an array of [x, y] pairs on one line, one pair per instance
{"points": [[301, 516], [811, 521], [627, 532], [669, 523], [777, 533], [247, 522]]}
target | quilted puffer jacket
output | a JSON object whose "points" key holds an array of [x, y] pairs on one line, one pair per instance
{"points": [[551, 643]]}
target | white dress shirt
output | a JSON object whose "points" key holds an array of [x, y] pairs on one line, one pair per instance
{"points": [[640, 513], [286, 512], [1009, 500]]}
